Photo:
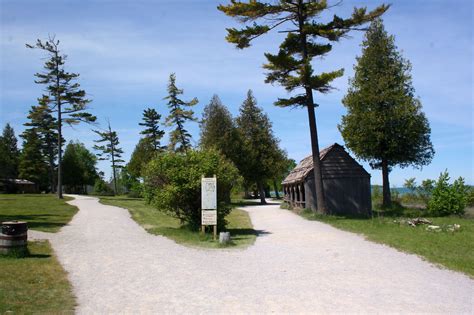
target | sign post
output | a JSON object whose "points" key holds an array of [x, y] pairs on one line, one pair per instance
{"points": [[209, 203]]}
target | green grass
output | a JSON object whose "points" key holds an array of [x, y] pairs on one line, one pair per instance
{"points": [[158, 223], [34, 284], [42, 212], [454, 250]]}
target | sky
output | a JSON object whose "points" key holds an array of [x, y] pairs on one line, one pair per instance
{"points": [[125, 51]]}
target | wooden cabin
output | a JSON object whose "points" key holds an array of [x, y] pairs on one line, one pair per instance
{"points": [[346, 183]]}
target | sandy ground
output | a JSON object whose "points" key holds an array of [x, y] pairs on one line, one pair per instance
{"points": [[295, 266]]}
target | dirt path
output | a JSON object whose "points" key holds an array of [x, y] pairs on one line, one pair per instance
{"points": [[295, 266]]}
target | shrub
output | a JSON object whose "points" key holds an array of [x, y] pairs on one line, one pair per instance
{"points": [[101, 188], [135, 190], [447, 199], [172, 183]]}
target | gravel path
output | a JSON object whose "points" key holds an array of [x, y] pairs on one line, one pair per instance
{"points": [[295, 266]]}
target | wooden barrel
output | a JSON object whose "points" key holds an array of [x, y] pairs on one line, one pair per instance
{"points": [[13, 237]]}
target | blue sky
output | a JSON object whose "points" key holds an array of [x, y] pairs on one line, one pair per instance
{"points": [[125, 51]]}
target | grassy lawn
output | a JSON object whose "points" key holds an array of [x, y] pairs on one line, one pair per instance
{"points": [[35, 284], [42, 212], [155, 222], [454, 250]]}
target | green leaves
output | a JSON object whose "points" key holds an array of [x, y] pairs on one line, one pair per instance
{"points": [[152, 132], [242, 38], [172, 183], [291, 67], [384, 119], [180, 138]]}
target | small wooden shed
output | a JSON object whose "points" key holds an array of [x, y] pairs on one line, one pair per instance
{"points": [[346, 183]]}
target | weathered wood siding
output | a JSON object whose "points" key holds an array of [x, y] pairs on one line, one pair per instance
{"points": [[346, 183]]}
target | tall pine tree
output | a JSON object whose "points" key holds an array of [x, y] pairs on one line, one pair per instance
{"points": [[152, 132], [9, 153], [110, 151], [257, 138], [219, 131], [180, 138], [384, 124], [65, 97], [292, 66], [44, 124]]}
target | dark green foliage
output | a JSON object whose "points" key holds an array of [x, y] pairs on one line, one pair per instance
{"points": [[446, 198], [219, 131], [180, 138], [152, 132], [45, 125], [143, 153], [9, 153], [384, 124], [101, 188], [65, 98], [79, 168], [110, 151], [172, 183], [292, 66], [259, 145], [32, 165]]}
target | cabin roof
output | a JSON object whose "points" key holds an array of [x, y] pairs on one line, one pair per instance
{"points": [[302, 170]]}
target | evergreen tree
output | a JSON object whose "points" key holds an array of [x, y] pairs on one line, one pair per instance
{"points": [[384, 124], [292, 66], [153, 134], [44, 124], [255, 130], [180, 138], [219, 131], [280, 165], [110, 151], [142, 154], [32, 165], [65, 97], [79, 168], [9, 153]]}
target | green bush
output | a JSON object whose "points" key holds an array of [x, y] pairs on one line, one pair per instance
{"points": [[172, 183], [135, 190], [102, 189], [447, 199]]}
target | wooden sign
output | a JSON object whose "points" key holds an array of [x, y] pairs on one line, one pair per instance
{"points": [[209, 217]]}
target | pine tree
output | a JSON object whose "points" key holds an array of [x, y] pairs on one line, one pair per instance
{"points": [[142, 154], [153, 134], [9, 153], [218, 130], [110, 151], [32, 165], [384, 124], [180, 138], [65, 98], [255, 130], [292, 66], [44, 124]]}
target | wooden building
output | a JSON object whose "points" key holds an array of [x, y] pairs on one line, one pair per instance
{"points": [[346, 183], [21, 186]]}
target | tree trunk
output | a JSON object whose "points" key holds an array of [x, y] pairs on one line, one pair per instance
{"points": [[60, 154], [275, 187], [262, 194], [60, 179], [387, 198], [318, 180]]}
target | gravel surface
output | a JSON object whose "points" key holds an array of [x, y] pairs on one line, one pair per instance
{"points": [[295, 266]]}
